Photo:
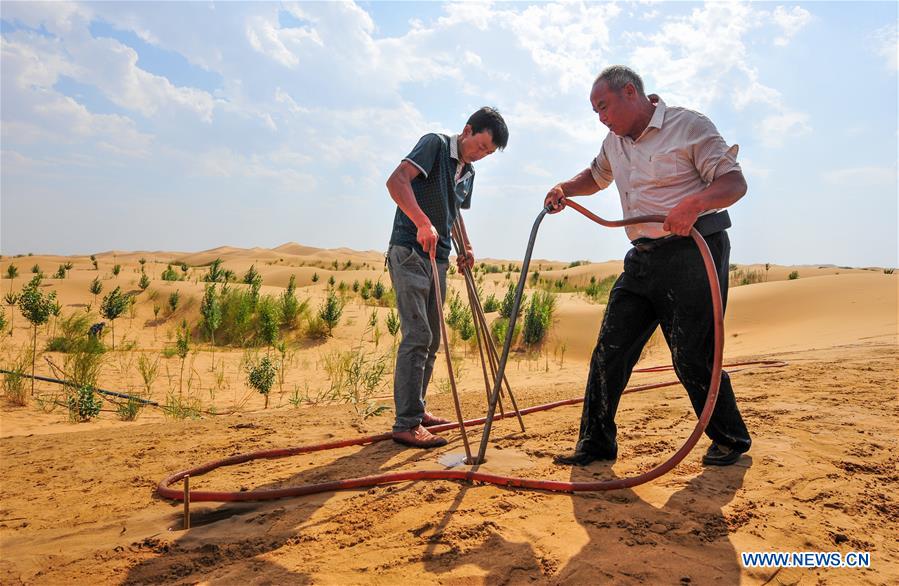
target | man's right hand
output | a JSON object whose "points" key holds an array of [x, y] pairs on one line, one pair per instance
{"points": [[427, 237], [554, 199]]}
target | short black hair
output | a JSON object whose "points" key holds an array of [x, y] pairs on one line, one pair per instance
{"points": [[488, 118]]}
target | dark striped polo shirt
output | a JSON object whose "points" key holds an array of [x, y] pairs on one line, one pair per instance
{"points": [[438, 193]]}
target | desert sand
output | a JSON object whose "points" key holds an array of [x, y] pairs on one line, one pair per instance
{"points": [[77, 502]]}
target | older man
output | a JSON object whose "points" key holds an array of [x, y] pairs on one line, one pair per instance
{"points": [[672, 162]]}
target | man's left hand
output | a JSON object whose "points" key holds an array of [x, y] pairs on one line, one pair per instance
{"points": [[465, 259], [680, 220]]}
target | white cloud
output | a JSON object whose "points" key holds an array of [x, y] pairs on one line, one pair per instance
{"points": [[886, 44], [864, 176], [699, 59], [279, 44], [774, 130], [790, 22]]}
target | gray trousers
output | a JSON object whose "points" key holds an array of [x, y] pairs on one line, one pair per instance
{"points": [[420, 324]]}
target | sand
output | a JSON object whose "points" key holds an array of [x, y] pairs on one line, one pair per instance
{"points": [[77, 502]]}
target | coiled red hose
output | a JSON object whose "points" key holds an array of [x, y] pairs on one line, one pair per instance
{"points": [[473, 475]]}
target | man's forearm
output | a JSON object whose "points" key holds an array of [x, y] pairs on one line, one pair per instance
{"points": [[721, 193], [401, 193], [581, 184]]}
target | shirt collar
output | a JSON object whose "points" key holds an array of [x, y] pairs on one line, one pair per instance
{"points": [[454, 147], [658, 116]]}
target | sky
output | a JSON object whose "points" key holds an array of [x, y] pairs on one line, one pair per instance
{"points": [[183, 126]]}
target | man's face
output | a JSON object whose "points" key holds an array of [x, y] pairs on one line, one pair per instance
{"points": [[474, 147], [617, 110]]}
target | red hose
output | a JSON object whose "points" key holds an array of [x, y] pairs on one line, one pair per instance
{"points": [[473, 475], [164, 491]]}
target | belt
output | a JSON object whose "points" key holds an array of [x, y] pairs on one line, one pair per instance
{"points": [[705, 225], [650, 244]]}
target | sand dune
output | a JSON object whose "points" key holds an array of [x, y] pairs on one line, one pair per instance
{"points": [[77, 504]]}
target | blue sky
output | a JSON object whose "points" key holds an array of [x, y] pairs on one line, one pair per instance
{"points": [[185, 126]]}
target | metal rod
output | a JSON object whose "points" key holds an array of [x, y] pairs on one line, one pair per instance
{"points": [[449, 360], [482, 324], [494, 360], [501, 369], [478, 309]]}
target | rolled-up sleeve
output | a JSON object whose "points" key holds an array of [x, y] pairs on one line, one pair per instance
{"points": [[601, 169], [711, 155]]}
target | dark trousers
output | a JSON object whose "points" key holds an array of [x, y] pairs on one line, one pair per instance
{"points": [[666, 286]]}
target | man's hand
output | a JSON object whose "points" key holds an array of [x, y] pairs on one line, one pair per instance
{"points": [[466, 259], [554, 199], [427, 237], [681, 219]]}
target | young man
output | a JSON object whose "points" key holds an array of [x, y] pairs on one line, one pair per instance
{"points": [[429, 186], [672, 162]]}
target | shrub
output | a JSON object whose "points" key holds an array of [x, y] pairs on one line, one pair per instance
{"points": [[269, 320], [83, 404], [505, 308], [599, 291], [148, 370], [356, 377], [11, 299], [211, 312], [129, 410], [144, 282], [182, 347], [261, 376], [12, 271], [2, 320], [252, 276], [36, 269], [83, 366], [888, 271], [538, 318], [331, 281], [466, 327], [317, 329], [793, 275], [72, 334], [237, 317], [178, 407], [491, 304], [37, 308], [216, 274], [174, 298], [291, 309], [114, 304], [60, 272], [315, 277], [498, 330], [330, 311], [170, 274], [378, 291], [14, 380], [96, 288], [116, 269], [457, 311], [393, 323]]}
